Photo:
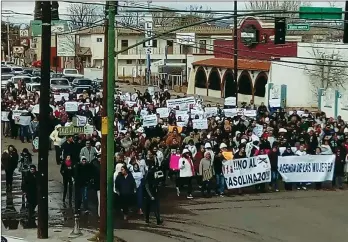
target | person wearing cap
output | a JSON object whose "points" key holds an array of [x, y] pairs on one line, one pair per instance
{"points": [[186, 172], [208, 148]]}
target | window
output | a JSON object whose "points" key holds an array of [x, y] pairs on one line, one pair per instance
{"points": [[169, 47], [124, 43], [129, 62], [202, 46], [154, 43], [99, 40], [142, 62], [185, 49]]}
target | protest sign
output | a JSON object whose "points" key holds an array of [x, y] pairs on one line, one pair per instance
{"points": [[130, 103], [247, 171], [181, 124], [307, 168], [143, 112], [150, 120], [258, 130], [17, 113], [4, 116], [81, 120], [58, 97], [182, 103], [230, 101], [163, 112], [71, 106], [196, 112], [230, 112], [200, 124], [23, 120], [36, 109], [210, 111], [180, 113], [151, 90]]}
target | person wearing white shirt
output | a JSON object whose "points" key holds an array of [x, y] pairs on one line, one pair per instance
{"points": [[301, 152], [138, 177], [186, 171]]}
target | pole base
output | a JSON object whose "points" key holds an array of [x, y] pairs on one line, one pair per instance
{"points": [[74, 234]]}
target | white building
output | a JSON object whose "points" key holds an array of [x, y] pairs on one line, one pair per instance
{"points": [[91, 48], [310, 70]]}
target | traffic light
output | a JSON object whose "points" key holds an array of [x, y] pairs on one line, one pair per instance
{"points": [[279, 30], [55, 12], [38, 10]]}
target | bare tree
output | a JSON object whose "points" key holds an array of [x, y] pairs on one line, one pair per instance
{"points": [[84, 15], [165, 18], [274, 5], [129, 18], [198, 11], [328, 72]]}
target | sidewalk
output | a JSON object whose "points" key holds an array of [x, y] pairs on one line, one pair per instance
{"points": [[63, 234]]}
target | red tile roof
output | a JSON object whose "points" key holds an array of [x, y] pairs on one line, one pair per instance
{"points": [[243, 64]]}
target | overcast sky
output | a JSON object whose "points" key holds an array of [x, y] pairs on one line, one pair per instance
{"points": [[28, 6]]}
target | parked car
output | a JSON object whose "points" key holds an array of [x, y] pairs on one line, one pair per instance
{"points": [[60, 84], [33, 87], [15, 80], [71, 74], [17, 70], [82, 82], [5, 79], [6, 70]]}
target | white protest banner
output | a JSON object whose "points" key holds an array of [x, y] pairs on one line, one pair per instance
{"points": [[230, 101], [150, 120], [17, 113], [181, 124], [57, 97], [81, 120], [179, 113], [163, 112], [4, 116], [282, 149], [258, 130], [36, 109], [210, 111], [247, 171], [196, 112], [143, 112], [307, 168], [182, 103], [23, 120], [151, 90], [250, 113], [71, 106], [230, 112], [130, 103], [200, 124]]}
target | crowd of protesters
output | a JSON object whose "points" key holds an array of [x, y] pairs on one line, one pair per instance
{"points": [[143, 153]]}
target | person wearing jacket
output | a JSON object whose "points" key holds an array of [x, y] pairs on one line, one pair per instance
{"points": [[57, 142], [9, 161], [273, 158], [89, 152], [83, 176], [125, 187], [187, 171], [206, 171], [151, 184], [138, 177], [301, 152], [339, 167], [288, 152], [96, 179], [67, 172], [25, 160], [30, 192]]}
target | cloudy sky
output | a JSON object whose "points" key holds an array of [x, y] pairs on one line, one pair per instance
{"points": [[27, 7]]}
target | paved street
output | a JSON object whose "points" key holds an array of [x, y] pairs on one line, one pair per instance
{"points": [[284, 216]]}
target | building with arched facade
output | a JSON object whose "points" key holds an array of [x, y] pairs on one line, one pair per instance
{"points": [[214, 77]]}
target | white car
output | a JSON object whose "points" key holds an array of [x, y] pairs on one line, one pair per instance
{"points": [[5, 78], [33, 87], [5, 238], [15, 80], [17, 70]]}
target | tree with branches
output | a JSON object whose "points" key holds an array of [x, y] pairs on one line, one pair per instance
{"points": [[165, 18], [327, 73], [84, 15], [276, 5]]}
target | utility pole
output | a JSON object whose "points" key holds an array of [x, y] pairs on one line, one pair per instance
{"points": [[111, 118], [8, 40], [103, 164], [148, 33], [44, 120], [345, 33], [235, 50]]}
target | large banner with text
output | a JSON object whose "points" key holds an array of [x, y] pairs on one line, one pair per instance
{"points": [[247, 171], [308, 168]]}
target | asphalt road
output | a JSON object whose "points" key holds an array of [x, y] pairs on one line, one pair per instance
{"points": [[284, 216]]}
